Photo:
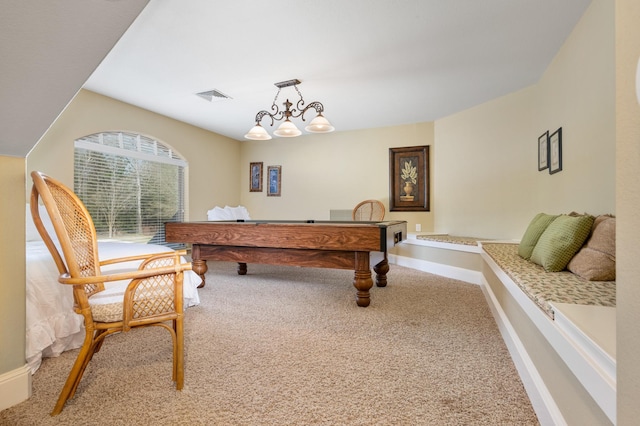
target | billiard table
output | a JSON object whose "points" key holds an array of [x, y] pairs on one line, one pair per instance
{"points": [[310, 243]]}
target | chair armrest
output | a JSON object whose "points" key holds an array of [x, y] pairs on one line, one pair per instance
{"points": [[130, 275], [141, 257]]}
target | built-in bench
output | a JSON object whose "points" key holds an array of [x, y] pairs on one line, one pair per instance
{"points": [[560, 330], [547, 288], [450, 256]]}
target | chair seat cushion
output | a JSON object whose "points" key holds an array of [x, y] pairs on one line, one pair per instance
{"points": [[106, 306]]}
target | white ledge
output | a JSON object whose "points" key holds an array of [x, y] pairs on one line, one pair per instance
{"points": [[413, 240]]}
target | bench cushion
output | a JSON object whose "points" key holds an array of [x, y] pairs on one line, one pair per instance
{"points": [[451, 239], [544, 287]]}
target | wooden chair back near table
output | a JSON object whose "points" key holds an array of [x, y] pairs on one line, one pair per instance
{"points": [[153, 295], [369, 210]]}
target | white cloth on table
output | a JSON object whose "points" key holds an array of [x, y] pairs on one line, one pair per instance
{"points": [[228, 213]]}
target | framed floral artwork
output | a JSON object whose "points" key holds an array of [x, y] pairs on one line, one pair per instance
{"points": [[409, 178], [274, 176], [255, 177]]}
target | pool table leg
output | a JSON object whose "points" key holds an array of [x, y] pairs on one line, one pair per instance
{"points": [[381, 270], [362, 280], [199, 266], [242, 268]]}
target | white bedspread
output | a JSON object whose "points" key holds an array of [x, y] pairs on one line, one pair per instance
{"points": [[52, 325]]}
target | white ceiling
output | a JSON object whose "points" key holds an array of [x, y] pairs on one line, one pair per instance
{"points": [[372, 63]]}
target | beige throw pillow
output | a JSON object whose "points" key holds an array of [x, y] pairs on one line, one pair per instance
{"points": [[596, 260]]}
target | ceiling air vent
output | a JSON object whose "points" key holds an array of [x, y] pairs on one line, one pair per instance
{"points": [[212, 95]]}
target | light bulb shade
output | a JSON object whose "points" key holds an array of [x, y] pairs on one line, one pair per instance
{"points": [[287, 130], [258, 133], [319, 125]]}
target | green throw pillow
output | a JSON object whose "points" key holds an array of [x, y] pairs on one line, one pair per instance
{"points": [[533, 232], [561, 241]]}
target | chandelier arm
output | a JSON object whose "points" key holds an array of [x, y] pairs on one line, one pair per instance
{"points": [[299, 108], [315, 105], [260, 115]]}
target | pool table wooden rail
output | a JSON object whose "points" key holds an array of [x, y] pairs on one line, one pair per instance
{"points": [[323, 244]]}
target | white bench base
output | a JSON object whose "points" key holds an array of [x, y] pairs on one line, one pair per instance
{"points": [[568, 375]]}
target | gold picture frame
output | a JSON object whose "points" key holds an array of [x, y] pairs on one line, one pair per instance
{"points": [[255, 177], [274, 181]]}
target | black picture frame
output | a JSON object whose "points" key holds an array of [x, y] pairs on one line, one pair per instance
{"points": [[255, 177], [555, 151], [274, 181], [409, 179], [543, 151]]}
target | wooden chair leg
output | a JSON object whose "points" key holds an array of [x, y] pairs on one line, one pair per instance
{"points": [[99, 339], [87, 358], [74, 375], [179, 353]]}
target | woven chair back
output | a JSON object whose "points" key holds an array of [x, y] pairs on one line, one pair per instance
{"points": [[369, 210]]}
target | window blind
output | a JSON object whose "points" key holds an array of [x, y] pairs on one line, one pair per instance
{"points": [[131, 185]]}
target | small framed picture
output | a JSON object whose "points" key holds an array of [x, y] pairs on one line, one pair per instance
{"points": [[555, 151], [274, 175], [543, 151], [255, 177]]}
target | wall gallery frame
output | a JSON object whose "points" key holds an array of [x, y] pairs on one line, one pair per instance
{"points": [[274, 178], [543, 151], [255, 177], [555, 151], [409, 179]]}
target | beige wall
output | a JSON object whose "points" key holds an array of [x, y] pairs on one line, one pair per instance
{"points": [[577, 93], [331, 171], [12, 264], [628, 206], [485, 168], [487, 182], [213, 159]]}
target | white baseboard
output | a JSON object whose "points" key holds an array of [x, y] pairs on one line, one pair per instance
{"points": [[15, 387], [454, 272]]}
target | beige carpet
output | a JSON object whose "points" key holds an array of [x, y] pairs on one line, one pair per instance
{"points": [[289, 346]]}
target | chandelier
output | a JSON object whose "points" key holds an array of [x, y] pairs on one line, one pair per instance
{"points": [[288, 129]]}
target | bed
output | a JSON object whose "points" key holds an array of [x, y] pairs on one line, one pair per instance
{"points": [[52, 326]]}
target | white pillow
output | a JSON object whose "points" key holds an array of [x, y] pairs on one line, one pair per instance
{"points": [[218, 213], [228, 213], [239, 212]]}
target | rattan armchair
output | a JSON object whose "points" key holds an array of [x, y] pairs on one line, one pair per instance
{"points": [[153, 297], [368, 210]]}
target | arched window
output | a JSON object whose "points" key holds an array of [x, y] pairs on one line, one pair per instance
{"points": [[131, 185]]}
